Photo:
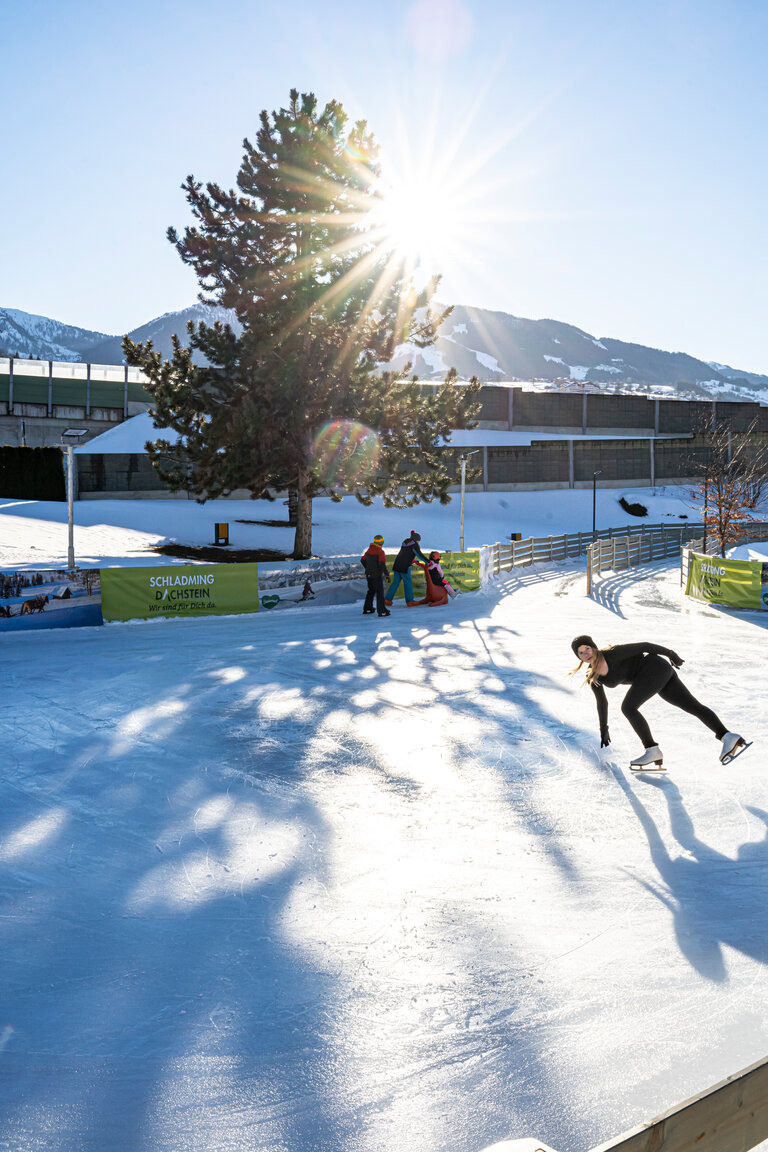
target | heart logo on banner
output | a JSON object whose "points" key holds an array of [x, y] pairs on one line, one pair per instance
{"points": [[269, 601]]}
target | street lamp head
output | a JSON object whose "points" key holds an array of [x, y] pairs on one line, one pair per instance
{"points": [[73, 434], [598, 473]]}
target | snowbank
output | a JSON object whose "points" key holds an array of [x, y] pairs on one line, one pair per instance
{"points": [[123, 531]]}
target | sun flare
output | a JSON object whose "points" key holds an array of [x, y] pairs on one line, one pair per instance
{"points": [[420, 218]]}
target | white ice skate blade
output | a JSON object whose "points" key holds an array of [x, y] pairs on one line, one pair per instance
{"points": [[652, 767], [742, 747]]}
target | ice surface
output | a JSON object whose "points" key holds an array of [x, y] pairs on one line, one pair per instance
{"points": [[371, 886]]}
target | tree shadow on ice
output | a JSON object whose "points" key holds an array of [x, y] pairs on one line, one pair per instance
{"points": [[416, 772], [447, 774], [153, 961], [708, 894], [191, 940]]}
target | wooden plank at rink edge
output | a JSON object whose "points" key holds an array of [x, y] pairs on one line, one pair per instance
{"points": [[731, 1117]]}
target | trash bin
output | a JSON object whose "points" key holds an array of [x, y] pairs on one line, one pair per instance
{"points": [[221, 534]]}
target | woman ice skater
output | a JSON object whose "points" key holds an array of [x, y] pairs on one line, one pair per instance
{"points": [[644, 668]]}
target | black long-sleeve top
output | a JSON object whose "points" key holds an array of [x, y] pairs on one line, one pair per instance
{"points": [[623, 662]]}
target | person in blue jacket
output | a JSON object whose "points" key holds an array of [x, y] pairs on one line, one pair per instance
{"points": [[401, 569]]}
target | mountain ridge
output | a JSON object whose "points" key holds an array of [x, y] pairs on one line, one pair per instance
{"points": [[491, 344]]}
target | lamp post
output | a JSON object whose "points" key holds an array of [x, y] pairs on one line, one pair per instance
{"points": [[70, 437], [594, 497], [463, 459]]}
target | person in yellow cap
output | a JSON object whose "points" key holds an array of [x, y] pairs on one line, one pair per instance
{"points": [[375, 563]]}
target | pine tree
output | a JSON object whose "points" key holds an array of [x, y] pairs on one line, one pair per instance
{"points": [[294, 398]]}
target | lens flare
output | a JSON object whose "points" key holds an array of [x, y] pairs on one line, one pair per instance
{"points": [[345, 453]]}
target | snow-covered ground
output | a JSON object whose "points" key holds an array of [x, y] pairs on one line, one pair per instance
{"points": [[374, 885], [118, 532], [749, 552]]}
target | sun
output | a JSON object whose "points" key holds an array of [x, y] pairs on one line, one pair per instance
{"points": [[420, 217]]}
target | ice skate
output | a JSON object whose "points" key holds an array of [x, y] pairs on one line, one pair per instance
{"points": [[386, 612], [650, 761], [733, 746]]}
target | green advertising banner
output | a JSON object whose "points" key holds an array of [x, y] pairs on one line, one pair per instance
{"points": [[194, 590], [735, 583], [461, 569]]}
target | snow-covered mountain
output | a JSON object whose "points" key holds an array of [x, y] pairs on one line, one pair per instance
{"points": [[498, 346], [23, 334], [475, 341], [108, 350]]}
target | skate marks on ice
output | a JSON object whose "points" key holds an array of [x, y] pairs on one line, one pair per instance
{"points": [[623, 592], [273, 896], [349, 884], [568, 575], [428, 964], [144, 952]]}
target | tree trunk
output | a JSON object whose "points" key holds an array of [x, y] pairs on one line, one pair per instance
{"points": [[293, 499], [302, 544]]}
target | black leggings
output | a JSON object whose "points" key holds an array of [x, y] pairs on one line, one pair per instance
{"points": [[657, 677]]}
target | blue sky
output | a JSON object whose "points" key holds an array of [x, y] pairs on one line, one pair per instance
{"points": [[610, 157]]}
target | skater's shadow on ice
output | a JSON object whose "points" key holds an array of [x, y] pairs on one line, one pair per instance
{"points": [[715, 899]]}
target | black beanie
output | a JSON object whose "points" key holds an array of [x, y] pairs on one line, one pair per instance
{"points": [[578, 641], [415, 536]]}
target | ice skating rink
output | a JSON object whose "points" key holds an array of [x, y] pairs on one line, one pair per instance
{"points": [[365, 885]]}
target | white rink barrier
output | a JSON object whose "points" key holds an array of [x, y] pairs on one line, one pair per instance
{"points": [[732, 1116]]}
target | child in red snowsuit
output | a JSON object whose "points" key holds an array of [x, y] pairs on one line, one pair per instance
{"points": [[437, 585]]}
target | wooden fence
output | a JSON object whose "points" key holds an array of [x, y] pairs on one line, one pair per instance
{"points": [[624, 552], [618, 554], [730, 1117], [571, 545]]}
